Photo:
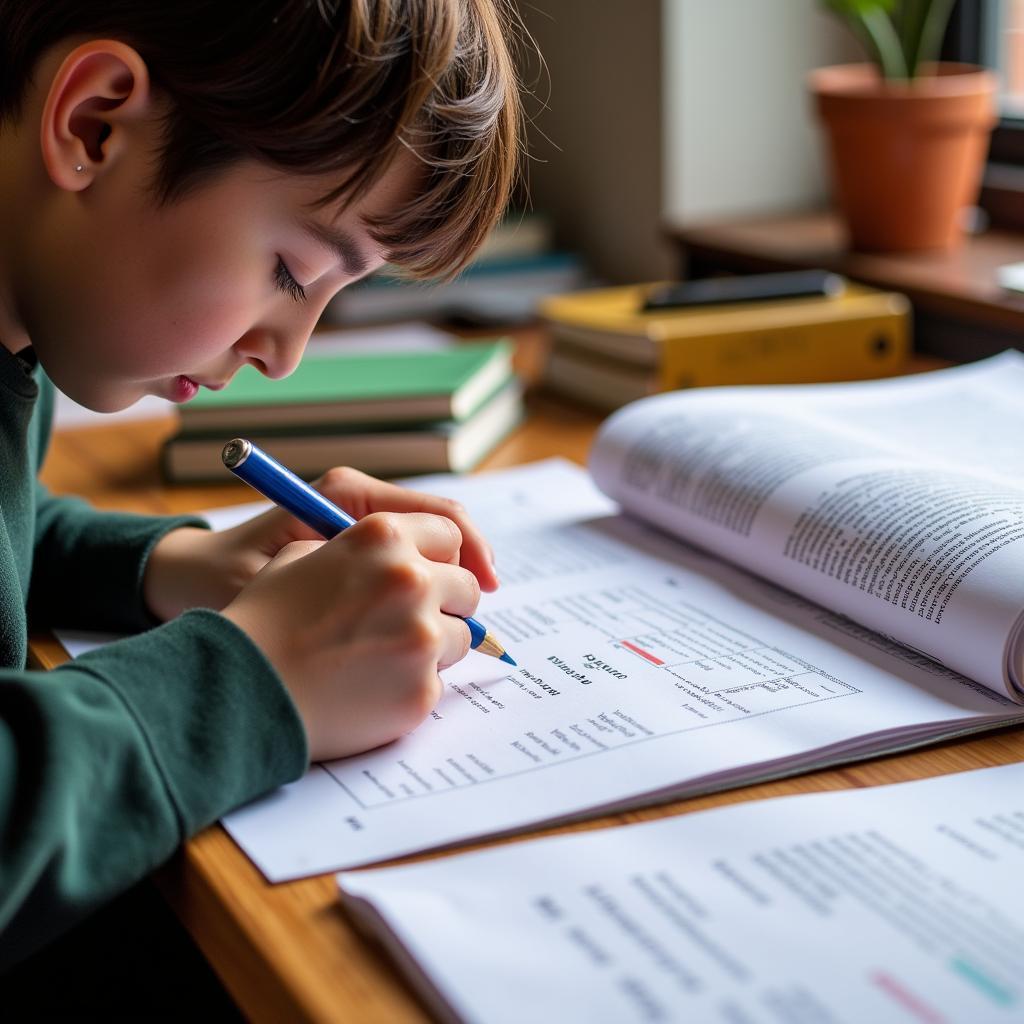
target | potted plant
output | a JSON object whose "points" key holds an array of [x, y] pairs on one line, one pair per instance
{"points": [[908, 134]]}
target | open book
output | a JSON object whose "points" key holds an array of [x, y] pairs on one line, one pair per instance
{"points": [[890, 904], [899, 504], [801, 576]]}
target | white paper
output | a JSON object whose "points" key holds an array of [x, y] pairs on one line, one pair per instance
{"points": [[645, 669], [892, 904]]}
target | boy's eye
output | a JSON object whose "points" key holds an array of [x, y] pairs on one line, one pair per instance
{"points": [[284, 280]]}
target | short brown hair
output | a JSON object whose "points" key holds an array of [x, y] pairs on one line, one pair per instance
{"points": [[332, 86]]}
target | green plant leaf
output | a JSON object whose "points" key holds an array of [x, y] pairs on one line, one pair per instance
{"points": [[891, 60], [871, 21], [913, 27], [909, 19], [853, 9], [933, 28]]}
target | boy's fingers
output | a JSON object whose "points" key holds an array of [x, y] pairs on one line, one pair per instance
{"points": [[476, 554], [455, 639], [458, 590], [478, 558], [361, 495], [269, 531], [435, 537]]}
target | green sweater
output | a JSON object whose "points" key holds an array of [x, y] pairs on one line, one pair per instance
{"points": [[109, 762]]}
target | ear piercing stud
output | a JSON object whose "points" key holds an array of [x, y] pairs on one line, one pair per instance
{"points": [[79, 167]]}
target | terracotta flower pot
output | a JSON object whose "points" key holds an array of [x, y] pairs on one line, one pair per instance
{"points": [[907, 157]]}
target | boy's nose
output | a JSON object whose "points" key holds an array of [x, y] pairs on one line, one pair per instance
{"points": [[274, 353]]}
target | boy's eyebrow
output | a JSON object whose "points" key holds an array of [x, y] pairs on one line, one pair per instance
{"points": [[352, 261]]}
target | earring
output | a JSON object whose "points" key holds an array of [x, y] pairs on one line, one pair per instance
{"points": [[79, 167]]}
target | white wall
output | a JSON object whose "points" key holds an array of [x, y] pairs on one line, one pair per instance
{"points": [[739, 132], [681, 109]]}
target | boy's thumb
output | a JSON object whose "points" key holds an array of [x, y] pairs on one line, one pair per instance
{"points": [[291, 551]]}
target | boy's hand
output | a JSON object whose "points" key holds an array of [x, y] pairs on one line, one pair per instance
{"points": [[191, 568], [357, 627]]}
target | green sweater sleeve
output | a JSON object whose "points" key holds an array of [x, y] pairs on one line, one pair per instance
{"points": [[109, 762], [88, 564]]}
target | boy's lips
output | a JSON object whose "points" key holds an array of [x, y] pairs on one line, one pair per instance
{"points": [[185, 387]]}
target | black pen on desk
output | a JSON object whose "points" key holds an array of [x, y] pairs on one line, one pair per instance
{"points": [[259, 470]]}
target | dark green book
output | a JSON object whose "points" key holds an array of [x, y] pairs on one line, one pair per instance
{"points": [[362, 388], [395, 449]]}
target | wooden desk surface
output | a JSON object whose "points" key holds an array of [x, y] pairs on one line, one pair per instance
{"points": [[288, 952]]}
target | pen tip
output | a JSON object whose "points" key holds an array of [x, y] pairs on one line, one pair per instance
{"points": [[508, 658]]}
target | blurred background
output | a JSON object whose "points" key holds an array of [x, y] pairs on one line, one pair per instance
{"points": [[691, 110], [672, 109], [692, 141]]}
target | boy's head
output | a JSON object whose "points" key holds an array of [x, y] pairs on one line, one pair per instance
{"points": [[184, 186]]}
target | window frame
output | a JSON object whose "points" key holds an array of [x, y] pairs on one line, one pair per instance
{"points": [[1002, 192]]}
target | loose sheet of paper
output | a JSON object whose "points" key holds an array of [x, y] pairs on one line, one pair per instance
{"points": [[645, 668], [894, 904]]}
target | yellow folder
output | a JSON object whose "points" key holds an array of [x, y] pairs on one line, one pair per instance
{"points": [[858, 334]]}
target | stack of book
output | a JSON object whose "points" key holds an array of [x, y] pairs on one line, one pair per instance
{"points": [[388, 414], [606, 350], [515, 269]]}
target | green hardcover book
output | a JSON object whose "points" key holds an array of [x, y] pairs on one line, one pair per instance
{"points": [[338, 389], [395, 449]]}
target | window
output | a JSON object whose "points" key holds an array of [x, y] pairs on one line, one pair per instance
{"points": [[991, 32], [1001, 46]]}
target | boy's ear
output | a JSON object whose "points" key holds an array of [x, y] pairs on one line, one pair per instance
{"points": [[100, 88]]}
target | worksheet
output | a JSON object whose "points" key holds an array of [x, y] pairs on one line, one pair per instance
{"points": [[888, 905], [646, 670]]}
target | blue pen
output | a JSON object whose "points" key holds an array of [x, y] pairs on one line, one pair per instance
{"points": [[253, 465]]}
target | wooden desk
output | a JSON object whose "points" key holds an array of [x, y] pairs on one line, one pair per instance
{"points": [[288, 952]]}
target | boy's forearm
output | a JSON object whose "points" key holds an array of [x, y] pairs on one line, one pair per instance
{"points": [[106, 764], [89, 564]]}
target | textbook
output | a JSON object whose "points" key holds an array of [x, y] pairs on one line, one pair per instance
{"points": [[886, 905], [749, 583], [607, 351], [389, 449], [362, 388]]}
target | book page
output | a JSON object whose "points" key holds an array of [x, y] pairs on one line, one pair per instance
{"points": [[892, 904], [645, 669], [899, 503]]}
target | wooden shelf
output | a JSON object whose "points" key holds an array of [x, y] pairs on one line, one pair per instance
{"points": [[960, 312]]}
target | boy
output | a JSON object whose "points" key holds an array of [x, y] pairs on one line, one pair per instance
{"points": [[183, 187]]}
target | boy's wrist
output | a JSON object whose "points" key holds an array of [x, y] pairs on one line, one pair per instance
{"points": [[183, 571]]}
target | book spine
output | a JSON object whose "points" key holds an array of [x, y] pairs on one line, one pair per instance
{"points": [[857, 349]]}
